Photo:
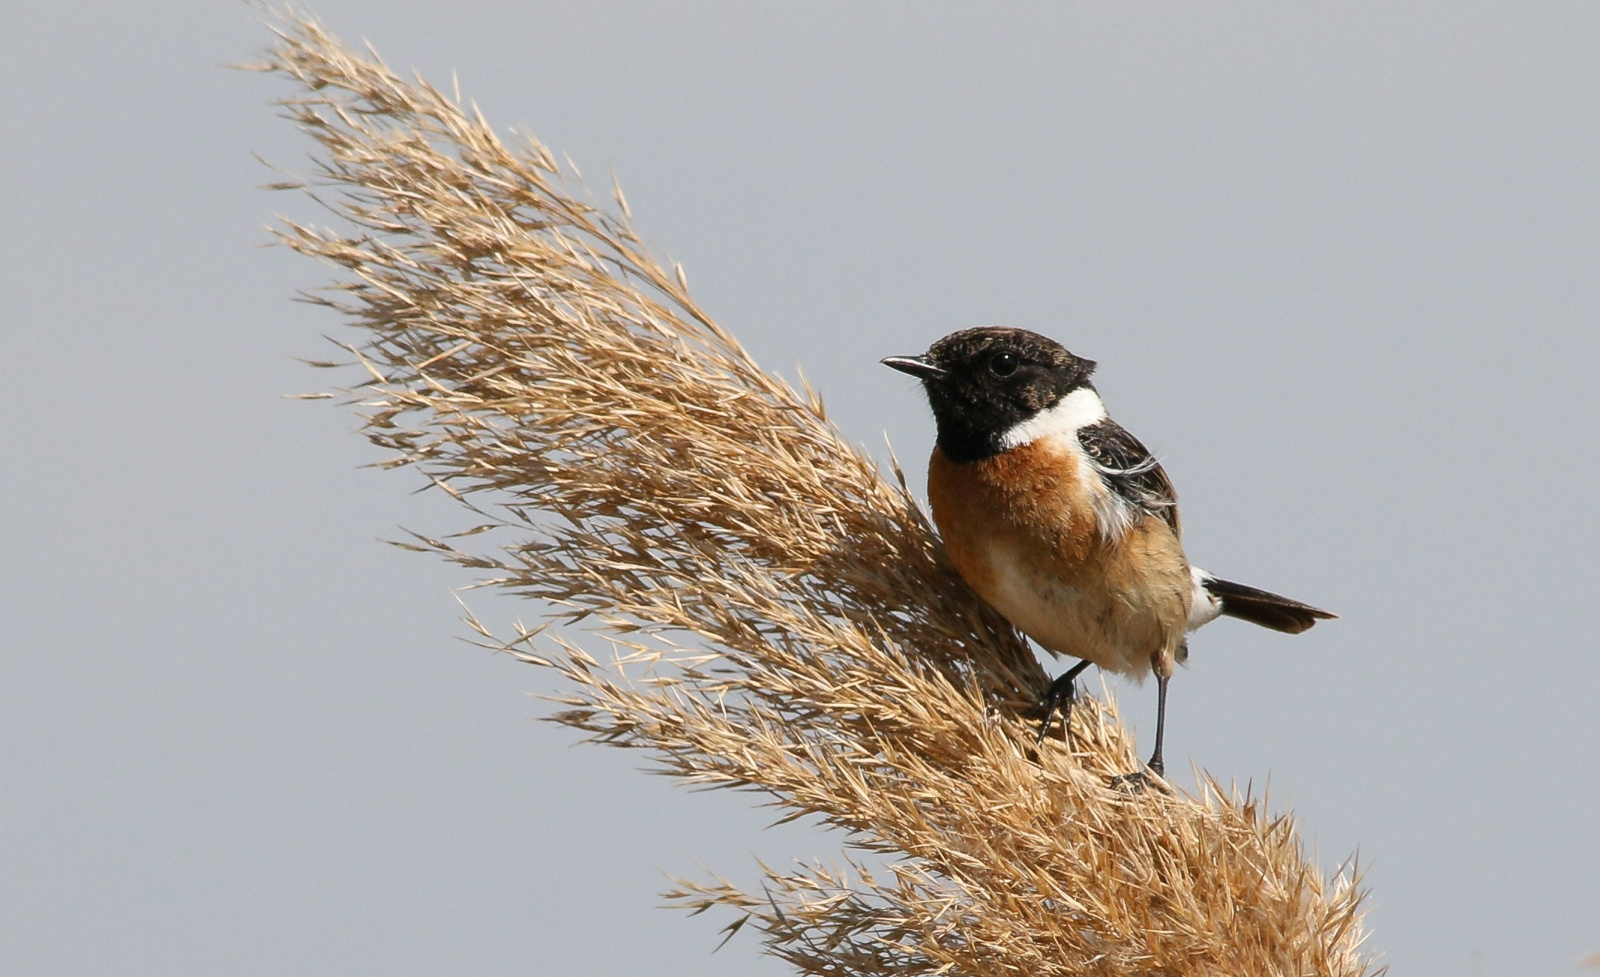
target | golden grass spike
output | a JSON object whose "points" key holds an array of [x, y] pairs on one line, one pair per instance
{"points": [[784, 616]]}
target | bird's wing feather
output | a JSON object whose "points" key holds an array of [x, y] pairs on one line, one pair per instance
{"points": [[1129, 469]]}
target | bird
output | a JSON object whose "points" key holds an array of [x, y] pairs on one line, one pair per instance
{"points": [[1064, 522]]}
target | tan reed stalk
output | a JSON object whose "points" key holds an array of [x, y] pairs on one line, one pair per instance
{"points": [[784, 619]]}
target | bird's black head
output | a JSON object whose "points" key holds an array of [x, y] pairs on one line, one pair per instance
{"points": [[983, 382]]}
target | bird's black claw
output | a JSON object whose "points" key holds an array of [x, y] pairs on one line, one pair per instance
{"points": [[1060, 696]]}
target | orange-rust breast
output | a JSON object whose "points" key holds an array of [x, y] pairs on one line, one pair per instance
{"points": [[1021, 527]]}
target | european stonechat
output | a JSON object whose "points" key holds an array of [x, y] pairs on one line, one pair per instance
{"points": [[1061, 519]]}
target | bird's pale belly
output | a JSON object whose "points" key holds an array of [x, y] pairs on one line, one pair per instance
{"points": [[1119, 630]]}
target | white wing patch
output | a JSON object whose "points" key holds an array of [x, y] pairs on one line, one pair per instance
{"points": [[1114, 514]]}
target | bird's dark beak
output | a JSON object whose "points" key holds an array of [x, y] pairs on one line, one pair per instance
{"points": [[917, 366]]}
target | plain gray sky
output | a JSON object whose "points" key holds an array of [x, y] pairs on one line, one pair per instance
{"points": [[1338, 263]]}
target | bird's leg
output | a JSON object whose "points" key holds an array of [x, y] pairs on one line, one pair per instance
{"points": [[1060, 696], [1140, 779], [1156, 763]]}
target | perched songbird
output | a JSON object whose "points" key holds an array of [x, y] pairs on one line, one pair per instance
{"points": [[1062, 520]]}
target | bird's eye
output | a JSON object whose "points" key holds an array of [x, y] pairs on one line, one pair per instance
{"points": [[1003, 364]]}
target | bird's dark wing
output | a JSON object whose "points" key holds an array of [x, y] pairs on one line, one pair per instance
{"points": [[1128, 467]]}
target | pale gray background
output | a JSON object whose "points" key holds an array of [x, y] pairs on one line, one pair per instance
{"points": [[1338, 264]]}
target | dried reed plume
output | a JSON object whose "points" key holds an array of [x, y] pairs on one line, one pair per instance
{"points": [[784, 618]]}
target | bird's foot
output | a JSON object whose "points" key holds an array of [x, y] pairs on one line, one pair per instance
{"points": [[1063, 691], [1138, 781]]}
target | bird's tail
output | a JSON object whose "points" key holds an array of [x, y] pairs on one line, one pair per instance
{"points": [[1260, 607]]}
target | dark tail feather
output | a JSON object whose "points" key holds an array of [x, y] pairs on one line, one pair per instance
{"points": [[1267, 610]]}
